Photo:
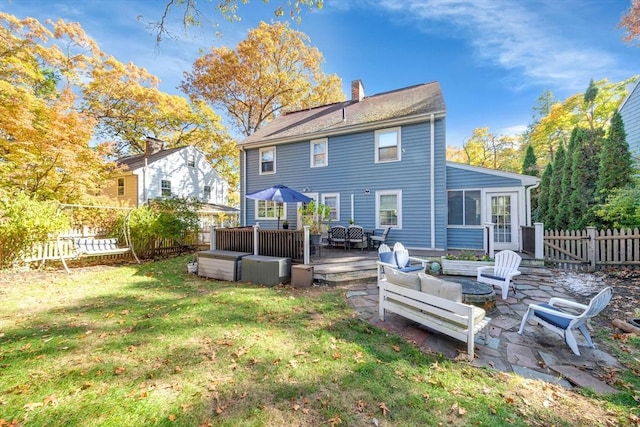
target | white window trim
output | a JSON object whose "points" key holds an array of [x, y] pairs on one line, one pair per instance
{"points": [[162, 188], [399, 144], [273, 148], [337, 196], [283, 213], [385, 193], [324, 141]]}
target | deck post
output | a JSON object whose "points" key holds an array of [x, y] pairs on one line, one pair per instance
{"points": [[591, 252], [539, 240], [256, 238], [305, 245], [212, 243]]}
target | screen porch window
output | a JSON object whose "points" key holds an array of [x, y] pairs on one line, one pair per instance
{"points": [[464, 207]]}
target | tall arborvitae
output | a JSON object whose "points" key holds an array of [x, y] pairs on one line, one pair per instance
{"points": [[542, 214], [530, 162], [584, 176], [564, 206], [555, 188], [615, 169]]}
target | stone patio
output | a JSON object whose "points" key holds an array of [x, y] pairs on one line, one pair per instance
{"points": [[537, 353]]}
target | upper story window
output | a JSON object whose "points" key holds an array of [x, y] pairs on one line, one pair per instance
{"points": [[207, 193], [120, 186], [464, 207], [165, 188], [333, 201], [267, 160], [389, 209], [191, 160], [319, 153], [388, 145]]}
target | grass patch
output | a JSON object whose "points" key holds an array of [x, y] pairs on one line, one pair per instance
{"points": [[152, 345]]}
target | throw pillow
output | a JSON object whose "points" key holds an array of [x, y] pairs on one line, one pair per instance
{"points": [[387, 258], [402, 258]]}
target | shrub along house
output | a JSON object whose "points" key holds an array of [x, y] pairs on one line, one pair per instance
{"points": [[380, 161]]}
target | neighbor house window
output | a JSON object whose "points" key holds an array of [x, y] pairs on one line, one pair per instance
{"points": [[389, 209], [207, 193], [120, 186], [267, 160], [333, 201], [388, 145], [191, 160], [165, 188], [319, 153], [464, 207], [268, 209]]}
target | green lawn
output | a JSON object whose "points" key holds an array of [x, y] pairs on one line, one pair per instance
{"points": [[148, 345]]}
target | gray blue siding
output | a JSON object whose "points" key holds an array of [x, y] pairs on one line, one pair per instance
{"points": [[630, 113], [352, 170]]}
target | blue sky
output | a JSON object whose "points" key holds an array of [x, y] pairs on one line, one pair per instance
{"points": [[493, 58]]}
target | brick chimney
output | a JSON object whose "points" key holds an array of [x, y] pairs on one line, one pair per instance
{"points": [[153, 146], [357, 90]]}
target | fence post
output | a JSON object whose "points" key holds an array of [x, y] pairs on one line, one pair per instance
{"points": [[305, 242], [591, 251], [489, 250], [539, 240], [256, 239]]}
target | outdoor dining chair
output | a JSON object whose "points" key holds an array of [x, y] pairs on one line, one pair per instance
{"points": [[338, 236], [376, 241], [357, 237]]}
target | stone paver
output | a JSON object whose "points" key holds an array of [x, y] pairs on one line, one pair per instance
{"points": [[537, 354]]}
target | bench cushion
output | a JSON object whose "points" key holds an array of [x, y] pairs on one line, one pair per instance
{"points": [[387, 258], [407, 280]]}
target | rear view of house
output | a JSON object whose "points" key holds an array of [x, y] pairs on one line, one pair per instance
{"points": [[380, 161]]}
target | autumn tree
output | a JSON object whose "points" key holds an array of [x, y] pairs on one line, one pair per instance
{"points": [[631, 23], [487, 150], [191, 13], [615, 168], [45, 143], [273, 70]]}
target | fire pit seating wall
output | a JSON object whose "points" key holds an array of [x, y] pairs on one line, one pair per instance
{"points": [[434, 303]]}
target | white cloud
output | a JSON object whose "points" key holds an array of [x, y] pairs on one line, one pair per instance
{"points": [[541, 41]]}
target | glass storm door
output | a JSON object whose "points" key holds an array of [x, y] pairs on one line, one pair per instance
{"points": [[504, 215]]}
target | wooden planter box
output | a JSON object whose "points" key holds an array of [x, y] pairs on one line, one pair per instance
{"points": [[458, 267]]}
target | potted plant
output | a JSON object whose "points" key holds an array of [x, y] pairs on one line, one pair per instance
{"points": [[192, 265], [316, 216], [465, 263], [285, 225]]}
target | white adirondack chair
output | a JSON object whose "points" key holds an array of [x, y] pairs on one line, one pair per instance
{"points": [[562, 322], [504, 270]]}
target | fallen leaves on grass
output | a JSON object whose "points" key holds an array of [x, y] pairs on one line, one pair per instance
{"points": [[335, 421], [383, 408]]}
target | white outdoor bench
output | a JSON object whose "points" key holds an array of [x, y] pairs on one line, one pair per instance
{"points": [[455, 319]]}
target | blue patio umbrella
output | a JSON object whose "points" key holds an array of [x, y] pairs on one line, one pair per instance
{"points": [[279, 193]]}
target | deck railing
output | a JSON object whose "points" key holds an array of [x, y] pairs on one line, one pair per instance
{"points": [[277, 243]]}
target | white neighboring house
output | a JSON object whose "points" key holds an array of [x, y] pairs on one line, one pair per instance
{"points": [[178, 172]]}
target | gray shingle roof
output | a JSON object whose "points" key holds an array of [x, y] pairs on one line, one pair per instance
{"points": [[137, 161], [408, 103]]}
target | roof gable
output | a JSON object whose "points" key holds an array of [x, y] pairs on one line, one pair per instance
{"points": [[138, 161], [403, 105], [632, 92]]}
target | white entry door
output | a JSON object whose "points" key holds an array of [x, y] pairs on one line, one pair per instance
{"points": [[503, 212]]}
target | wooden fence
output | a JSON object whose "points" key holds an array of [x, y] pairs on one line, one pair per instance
{"points": [[591, 249]]}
